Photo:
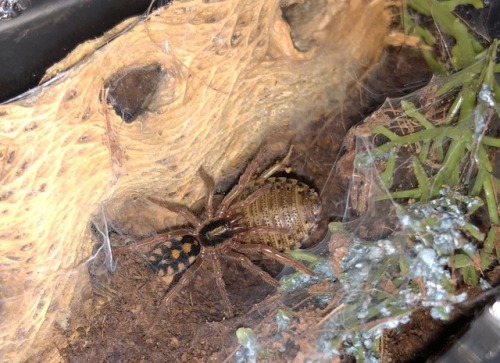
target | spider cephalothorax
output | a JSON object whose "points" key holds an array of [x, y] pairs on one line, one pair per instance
{"points": [[216, 232]]}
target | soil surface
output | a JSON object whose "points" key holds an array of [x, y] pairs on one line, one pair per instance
{"points": [[125, 320]]}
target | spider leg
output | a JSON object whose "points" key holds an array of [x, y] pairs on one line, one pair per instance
{"points": [[161, 237], [275, 255], [247, 175], [221, 285], [273, 169], [234, 219], [210, 189], [245, 178], [183, 281], [248, 264], [251, 198], [179, 209], [243, 231]]}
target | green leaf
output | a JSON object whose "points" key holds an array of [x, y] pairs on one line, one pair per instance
{"points": [[461, 260], [485, 259]]}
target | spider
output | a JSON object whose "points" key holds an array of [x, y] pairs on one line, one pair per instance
{"points": [[224, 231]]}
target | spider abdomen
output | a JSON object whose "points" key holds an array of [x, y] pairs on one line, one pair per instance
{"points": [[173, 256], [288, 204]]}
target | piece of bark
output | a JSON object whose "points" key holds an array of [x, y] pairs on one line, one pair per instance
{"points": [[229, 75]]}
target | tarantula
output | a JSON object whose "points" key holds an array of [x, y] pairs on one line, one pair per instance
{"points": [[252, 211]]}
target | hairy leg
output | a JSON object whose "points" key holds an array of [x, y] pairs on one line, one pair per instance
{"points": [[248, 264], [241, 232], [245, 178], [156, 239], [179, 209], [210, 189], [273, 254], [247, 175], [273, 169], [185, 279], [221, 285], [251, 198]]}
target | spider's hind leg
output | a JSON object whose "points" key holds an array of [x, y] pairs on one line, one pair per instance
{"points": [[221, 285], [185, 279]]}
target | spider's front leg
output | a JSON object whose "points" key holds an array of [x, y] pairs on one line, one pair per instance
{"points": [[245, 178], [273, 169], [250, 199]]}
